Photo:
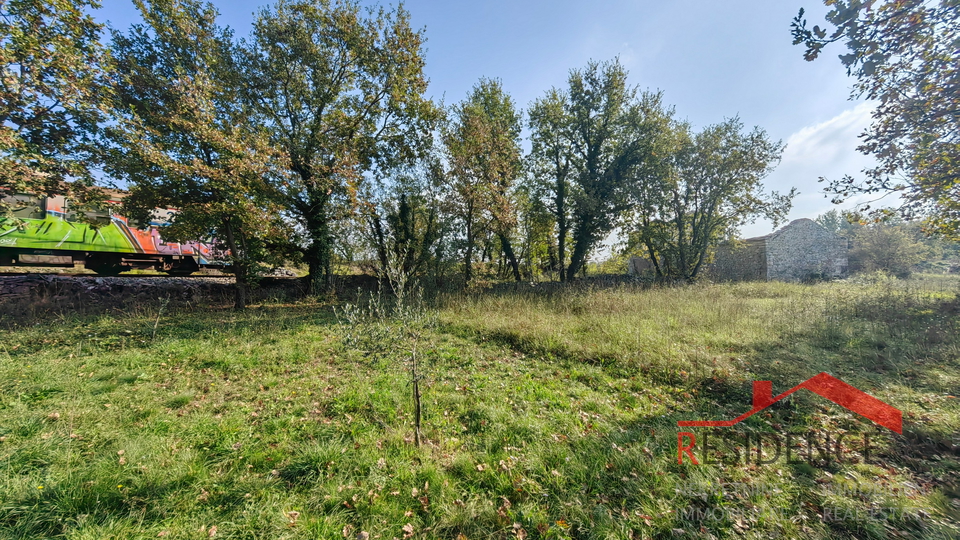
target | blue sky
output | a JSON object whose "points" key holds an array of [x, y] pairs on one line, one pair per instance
{"points": [[711, 59]]}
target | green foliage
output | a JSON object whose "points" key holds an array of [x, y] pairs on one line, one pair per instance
{"points": [[408, 238], [597, 135], [405, 229], [840, 223], [702, 189], [482, 145], [551, 169], [51, 85], [892, 247], [903, 54], [183, 136], [535, 230], [340, 90]]}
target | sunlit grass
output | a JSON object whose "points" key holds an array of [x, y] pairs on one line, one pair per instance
{"points": [[551, 414]]}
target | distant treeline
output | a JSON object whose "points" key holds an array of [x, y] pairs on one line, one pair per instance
{"points": [[312, 140]]}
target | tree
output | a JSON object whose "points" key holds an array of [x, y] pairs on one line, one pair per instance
{"points": [[837, 222], [483, 150], [903, 54], [535, 228], [51, 81], [608, 129], [341, 92], [887, 246], [182, 135], [551, 162], [703, 188], [404, 223]]}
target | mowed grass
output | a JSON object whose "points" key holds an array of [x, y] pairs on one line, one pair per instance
{"points": [[546, 415]]}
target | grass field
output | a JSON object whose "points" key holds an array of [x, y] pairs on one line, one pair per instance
{"points": [[545, 415]]}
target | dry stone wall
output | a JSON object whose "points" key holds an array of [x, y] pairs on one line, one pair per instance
{"points": [[23, 295], [804, 250], [799, 251]]}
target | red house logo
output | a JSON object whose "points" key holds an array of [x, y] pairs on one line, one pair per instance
{"points": [[823, 385]]}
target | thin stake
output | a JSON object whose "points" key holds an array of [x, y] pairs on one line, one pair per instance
{"points": [[416, 398], [163, 304]]}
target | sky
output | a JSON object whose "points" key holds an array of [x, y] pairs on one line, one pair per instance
{"points": [[713, 60]]}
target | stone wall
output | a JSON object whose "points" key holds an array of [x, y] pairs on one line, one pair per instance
{"points": [[803, 250], [45, 292], [28, 295]]}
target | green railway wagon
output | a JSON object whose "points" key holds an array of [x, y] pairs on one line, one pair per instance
{"points": [[45, 232]]}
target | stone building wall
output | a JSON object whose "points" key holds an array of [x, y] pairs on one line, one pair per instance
{"points": [[803, 250], [799, 251]]}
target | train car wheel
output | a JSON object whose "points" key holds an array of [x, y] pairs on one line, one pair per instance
{"points": [[183, 267], [104, 266]]}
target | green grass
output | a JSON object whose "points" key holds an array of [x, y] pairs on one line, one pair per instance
{"points": [[545, 416]]}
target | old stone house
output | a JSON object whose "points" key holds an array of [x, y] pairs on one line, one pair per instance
{"points": [[799, 251]]}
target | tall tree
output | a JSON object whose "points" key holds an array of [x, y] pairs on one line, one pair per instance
{"points": [[341, 91], [551, 162], [609, 129], [904, 55], [483, 148], [704, 187], [51, 81], [182, 134]]}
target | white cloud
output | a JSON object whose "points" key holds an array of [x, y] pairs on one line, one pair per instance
{"points": [[827, 149], [829, 143]]}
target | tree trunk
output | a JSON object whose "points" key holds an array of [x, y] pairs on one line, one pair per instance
{"points": [[562, 249], [552, 257], [562, 227], [579, 255], [511, 257], [241, 270], [319, 253], [376, 227], [415, 376], [658, 272], [468, 257]]}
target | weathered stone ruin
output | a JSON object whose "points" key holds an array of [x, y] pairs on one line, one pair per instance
{"points": [[801, 250]]}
